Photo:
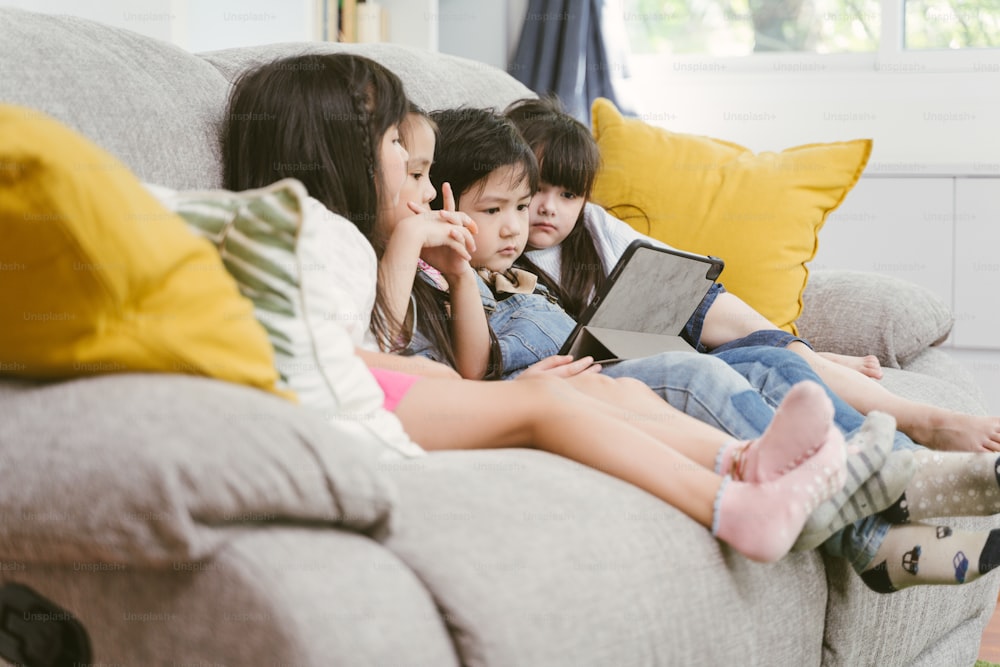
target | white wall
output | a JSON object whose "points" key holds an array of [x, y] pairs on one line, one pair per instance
{"points": [[196, 25], [219, 24], [483, 31], [476, 30], [149, 17], [917, 119]]}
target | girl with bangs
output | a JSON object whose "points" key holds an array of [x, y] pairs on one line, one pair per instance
{"points": [[871, 522], [333, 121], [573, 244]]}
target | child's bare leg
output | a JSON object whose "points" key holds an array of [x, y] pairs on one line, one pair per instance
{"points": [[932, 426], [731, 318], [758, 460], [633, 402], [549, 414], [760, 520]]}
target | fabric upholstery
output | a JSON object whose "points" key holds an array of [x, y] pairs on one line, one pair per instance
{"points": [[948, 393], [527, 522], [129, 92], [282, 595], [759, 212], [939, 363], [105, 279], [909, 318], [145, 470], [432, 80]]}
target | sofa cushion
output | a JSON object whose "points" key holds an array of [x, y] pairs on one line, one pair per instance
{"points": [[278, 244], [559, 560], [432, 80], [104, 279], [282, 596], [153, 469], [758, 212], [151, 104], [858, 313]]}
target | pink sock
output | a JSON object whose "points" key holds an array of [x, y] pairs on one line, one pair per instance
{"points": [[762, 520], [796, 432]]}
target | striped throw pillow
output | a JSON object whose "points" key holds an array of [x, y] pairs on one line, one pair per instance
{"points": [[273, 245]]}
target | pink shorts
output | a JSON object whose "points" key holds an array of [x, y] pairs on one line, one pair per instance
{"points": [[394, 386]]}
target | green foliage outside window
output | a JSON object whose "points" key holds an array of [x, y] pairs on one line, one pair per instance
{"points": [[952, 24], [743, 27]]}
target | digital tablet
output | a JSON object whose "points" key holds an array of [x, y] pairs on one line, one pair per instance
{"points": [[644, 304]]}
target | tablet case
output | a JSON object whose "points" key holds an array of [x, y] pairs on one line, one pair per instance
{"points": [[647, 299]]}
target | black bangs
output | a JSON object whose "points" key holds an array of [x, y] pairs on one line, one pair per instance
{"points": [[473, 143], [566, 151], [568, 162]]}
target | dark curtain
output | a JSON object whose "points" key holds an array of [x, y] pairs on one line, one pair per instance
{"points": [[562, 50]]}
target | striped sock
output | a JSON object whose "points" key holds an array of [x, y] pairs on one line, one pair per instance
{"points": [[876, 477]]}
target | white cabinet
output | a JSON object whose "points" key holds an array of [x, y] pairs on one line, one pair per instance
{"points": [[977, 263], [901, 227], [941, 232]]}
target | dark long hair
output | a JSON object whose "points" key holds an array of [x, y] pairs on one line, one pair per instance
{"points": [[471, 144], [567, 158], [318, 118]]}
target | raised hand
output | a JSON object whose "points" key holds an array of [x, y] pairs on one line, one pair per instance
{"points": [[448, 240]]}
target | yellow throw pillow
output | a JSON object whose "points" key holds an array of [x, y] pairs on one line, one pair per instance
{"points": [[97, 277], [758, 212]]}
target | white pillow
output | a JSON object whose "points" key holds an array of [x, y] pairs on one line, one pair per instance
{"points": [[280, 248]]}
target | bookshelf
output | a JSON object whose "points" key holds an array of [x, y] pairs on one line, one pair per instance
{"points": [[409, 22], [486, 32]]}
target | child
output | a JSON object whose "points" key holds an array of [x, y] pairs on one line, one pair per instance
{"points": [[340, 113], [567, 232], [479, 155], [459, 325]]}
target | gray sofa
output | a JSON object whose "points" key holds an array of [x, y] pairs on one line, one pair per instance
{"points": [[188, 521]]}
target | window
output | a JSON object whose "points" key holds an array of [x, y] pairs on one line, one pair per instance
{"points": [[728, 28], [951, 24]]}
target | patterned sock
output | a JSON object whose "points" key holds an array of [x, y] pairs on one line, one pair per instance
{"points": [[796, 432], [876, 477], [919, 554], [949, 484], [762, 520]]}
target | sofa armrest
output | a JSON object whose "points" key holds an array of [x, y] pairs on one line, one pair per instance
{"points": [[155, 469], [858, 313]]}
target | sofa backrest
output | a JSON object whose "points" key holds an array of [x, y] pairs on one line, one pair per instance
{"points": [[159, 108], [432, 80], [151, 104]]}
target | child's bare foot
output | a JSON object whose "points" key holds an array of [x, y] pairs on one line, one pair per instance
{"points": [[946, 430], [867, 365]]}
